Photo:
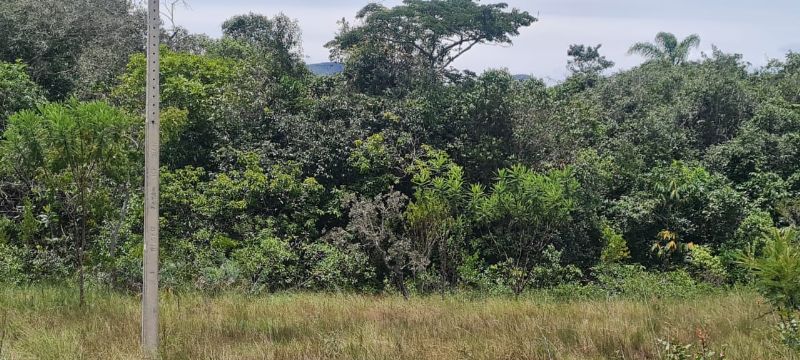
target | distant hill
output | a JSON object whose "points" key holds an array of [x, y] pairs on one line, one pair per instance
{"points": [[326, 68]]}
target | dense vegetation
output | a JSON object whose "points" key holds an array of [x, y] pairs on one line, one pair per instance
{"points": [[400, 174]]}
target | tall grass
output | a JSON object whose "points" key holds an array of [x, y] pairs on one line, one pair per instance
{"points": [[46, 323]]}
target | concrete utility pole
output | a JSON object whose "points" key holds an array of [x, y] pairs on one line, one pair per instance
{"points": [[151, 168]]}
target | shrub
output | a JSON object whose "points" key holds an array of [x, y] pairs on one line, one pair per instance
{"points": [[616, 248], [777, 270], [519, 218], [704, 266], [218, 279], [551, 272], [635, 282], [750, 233], [777, 277], [17, 91], [11, 268], [503, 277], [672, 351], [268, 262], [337, 267]]}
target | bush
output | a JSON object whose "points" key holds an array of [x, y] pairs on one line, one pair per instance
{"points": [[635, 282], [11, 267], [501, 278], [337, 267], [218, 279], [777, 270], [672, 351], [777, 277], [749, 234], [17, 91], [704, 266], [551, 272], [268, 262], [616, 248]]}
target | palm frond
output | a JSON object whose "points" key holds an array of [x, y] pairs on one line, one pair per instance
{"points": [[647, 50], [666, 40], [681, 53]]}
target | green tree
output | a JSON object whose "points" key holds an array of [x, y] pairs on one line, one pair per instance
{"points": [[667, 48], [194, 84], [430, 34], [277, 38], [73, 154], [71, 46], [17, 91], [586, 59], [521, 216], [435, 219]]}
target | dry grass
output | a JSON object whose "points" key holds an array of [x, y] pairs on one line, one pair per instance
{"points": [[45, 323]]}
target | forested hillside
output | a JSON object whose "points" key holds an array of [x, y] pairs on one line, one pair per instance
{"points": [[401, 173]]}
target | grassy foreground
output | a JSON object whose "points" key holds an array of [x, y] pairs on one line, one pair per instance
{"points": [[45, 323]]}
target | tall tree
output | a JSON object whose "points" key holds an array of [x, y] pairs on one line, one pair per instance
{"points": [[277, 38], [586, 59], [71, 46], [666, 48], [431, 33]]}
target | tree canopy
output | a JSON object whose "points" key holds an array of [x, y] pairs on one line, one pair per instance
{"points": [[666, 48], [431, 34]]}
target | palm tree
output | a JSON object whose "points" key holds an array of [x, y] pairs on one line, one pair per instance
{"points": [[666, 48]]}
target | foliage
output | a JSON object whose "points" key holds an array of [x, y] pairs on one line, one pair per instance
{"points": [[674, 351], [520, 214], [436, 224], [587, 60], [634, 281], [666, 48], [193, 84], [616, 248], [777, 270], [428, 34], [71, 157], [266, 261], [338, 266], [17, 91], [403, 172], [679, 205], [705, 266], [377, 224], [11, 265], [71, 47], [276, 38], [790, 333], [551, 272]]}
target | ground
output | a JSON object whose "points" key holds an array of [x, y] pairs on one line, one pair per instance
{"points": [[46, 323]]}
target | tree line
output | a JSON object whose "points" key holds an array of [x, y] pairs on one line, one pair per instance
{"points": [[402, 173]]}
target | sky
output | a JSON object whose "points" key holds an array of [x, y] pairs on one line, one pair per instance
{"points": [[759, 30]]}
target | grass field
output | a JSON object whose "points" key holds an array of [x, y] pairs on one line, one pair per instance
{"points": [[45, 323]]}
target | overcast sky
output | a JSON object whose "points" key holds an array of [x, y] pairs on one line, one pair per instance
{"points": [[759, 30]]}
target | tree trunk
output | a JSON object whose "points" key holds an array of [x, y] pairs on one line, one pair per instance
{"points": [[81, 248], [401, 284]]}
